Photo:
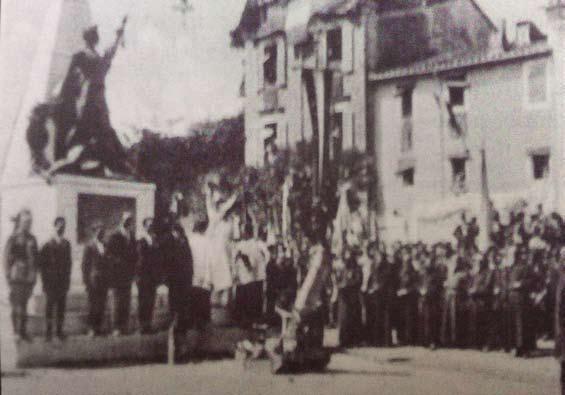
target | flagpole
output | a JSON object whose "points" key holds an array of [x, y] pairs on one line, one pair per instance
{"points": [[441, 136]]}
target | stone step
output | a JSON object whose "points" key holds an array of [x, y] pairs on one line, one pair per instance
{"points": [[86, 351]]}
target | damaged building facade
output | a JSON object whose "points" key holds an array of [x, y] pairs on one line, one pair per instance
{"points": [[421, 86]]}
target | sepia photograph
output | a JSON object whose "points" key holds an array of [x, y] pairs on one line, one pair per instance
{"points": [[271, 197]]}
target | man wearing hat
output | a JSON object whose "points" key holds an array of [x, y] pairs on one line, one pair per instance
{"points": [[20, 264], [122, 252], [96, 277]]}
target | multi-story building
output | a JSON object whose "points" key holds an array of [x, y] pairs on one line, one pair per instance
{"points": [[422, 86]]}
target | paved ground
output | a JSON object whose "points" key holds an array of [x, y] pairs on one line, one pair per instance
{"points": [[361, 371]]}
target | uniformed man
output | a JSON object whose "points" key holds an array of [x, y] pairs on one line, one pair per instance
{"points": [[55, 266], [20, 265], [122, 252], [96, 274], [149, 274]]}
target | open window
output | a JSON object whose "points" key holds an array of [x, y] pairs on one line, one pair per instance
{"points": [[269, 143], [270, 64], [406, 97], [407, 176], [540, 166], [459, 175], [336, 142], [334, 44]]}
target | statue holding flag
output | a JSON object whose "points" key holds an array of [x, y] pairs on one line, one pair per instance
{"points": [[72, 132]]}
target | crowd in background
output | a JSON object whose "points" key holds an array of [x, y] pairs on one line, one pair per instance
{"points": [[441, 295]]}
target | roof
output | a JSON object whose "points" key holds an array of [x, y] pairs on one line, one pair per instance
{"points": [[249, 21], [462, 60]]}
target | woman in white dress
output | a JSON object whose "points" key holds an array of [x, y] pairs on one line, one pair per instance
{"points": [[218, 241]]}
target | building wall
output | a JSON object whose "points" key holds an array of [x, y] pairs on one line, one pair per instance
{"points": [[293, 119], [495, 109]]}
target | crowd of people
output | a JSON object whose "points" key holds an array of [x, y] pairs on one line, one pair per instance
{"points": [[111, 265], [441, 295]]}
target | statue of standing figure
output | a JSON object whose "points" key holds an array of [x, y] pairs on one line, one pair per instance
{"points": [[72, 133]]}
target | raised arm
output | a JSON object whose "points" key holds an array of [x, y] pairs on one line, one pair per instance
{"points": [[111, 52], [227, 205]]}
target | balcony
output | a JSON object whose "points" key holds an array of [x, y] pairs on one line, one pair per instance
{"points": [[406, 135]]}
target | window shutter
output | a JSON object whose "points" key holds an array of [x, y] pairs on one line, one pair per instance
{"points": [[281, 61], [260, 52], [348, 136], [347, 48], [323, 50]]}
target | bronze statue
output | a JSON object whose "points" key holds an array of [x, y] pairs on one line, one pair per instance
{"points": [[72, 133]]}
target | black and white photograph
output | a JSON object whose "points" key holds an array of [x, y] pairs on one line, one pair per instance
{"points": [[272, 197]]}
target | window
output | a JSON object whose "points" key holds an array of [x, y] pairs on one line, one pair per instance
{"points": [[336, 125], [407, 103], [334, 44], [536, 83], [459, 175], [297, 51], [408, 177], [270, 64], [540, 165], [337, 86], [457, 96], [269, 142]]}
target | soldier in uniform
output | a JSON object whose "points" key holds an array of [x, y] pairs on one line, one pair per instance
{"points": [[96, 273], [20, 265], [55, 266], [149, 274], [122, 252]]}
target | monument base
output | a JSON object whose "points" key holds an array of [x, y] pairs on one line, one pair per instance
{"points": [[86, 351], [81, 201]]}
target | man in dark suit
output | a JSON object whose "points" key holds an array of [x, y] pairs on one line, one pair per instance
{"points": [[55, 267], [122, 252], [96, 276], [179, 271], [520, 303], [149, 274]]}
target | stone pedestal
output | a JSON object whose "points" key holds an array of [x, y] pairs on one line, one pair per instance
{"points": [[80, 200]]}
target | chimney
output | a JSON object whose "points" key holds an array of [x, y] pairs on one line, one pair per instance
{"points": [[523, 33]]}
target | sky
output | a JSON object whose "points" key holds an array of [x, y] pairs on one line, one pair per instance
{"points": [[172, 68]]}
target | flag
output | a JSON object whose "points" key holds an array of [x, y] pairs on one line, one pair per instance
{"points": [[485, 214]]}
